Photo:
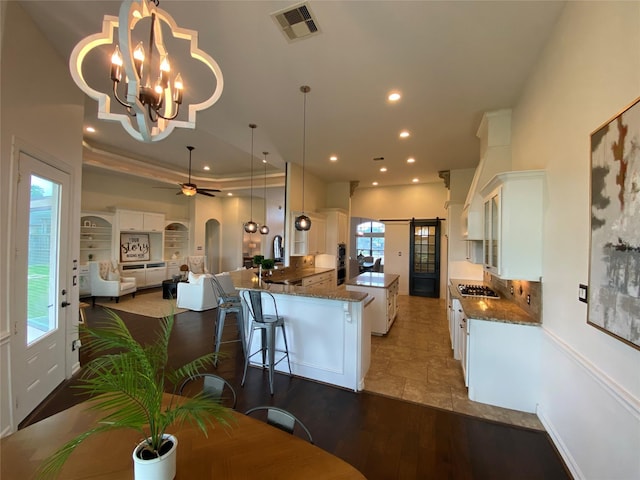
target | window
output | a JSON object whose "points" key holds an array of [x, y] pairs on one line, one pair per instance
{"points": [[370, 240]]}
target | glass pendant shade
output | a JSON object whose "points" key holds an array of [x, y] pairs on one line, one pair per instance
{"points": [[251, 227], [303, 223], [264, 230]]}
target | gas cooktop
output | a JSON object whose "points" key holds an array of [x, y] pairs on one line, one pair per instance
{"points": [[477, 291]]}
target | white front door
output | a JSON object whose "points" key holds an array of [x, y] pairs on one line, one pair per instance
{"points": [[40, 293]]}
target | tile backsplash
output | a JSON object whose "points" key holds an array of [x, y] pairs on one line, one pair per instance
{"points": [[520, 289]]}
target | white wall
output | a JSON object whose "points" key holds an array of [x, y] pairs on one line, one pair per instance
{"points": [[589, 72], [422, 201], [46, 116]]}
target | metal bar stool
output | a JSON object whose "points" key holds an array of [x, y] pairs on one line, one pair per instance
{"points": [[267, 325], [228, 302]]}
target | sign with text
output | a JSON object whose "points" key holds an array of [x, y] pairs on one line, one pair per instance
{"points": [[134, 247]]}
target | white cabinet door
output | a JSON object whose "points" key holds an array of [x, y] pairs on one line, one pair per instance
{"points": [[153, 222], [130, 221]]}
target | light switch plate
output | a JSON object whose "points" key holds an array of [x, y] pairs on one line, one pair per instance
{"points": [[583, 291]]}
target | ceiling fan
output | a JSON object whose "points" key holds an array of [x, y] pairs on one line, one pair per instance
{"points": [[190, 189]]}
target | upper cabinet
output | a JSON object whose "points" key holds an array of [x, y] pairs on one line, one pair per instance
{"points": [[133, 221], [96, 238], [512, 230], [312, 241], [494, 133], [337, 228]]}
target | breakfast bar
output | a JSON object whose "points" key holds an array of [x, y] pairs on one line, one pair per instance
{"points": [[328, 329]]}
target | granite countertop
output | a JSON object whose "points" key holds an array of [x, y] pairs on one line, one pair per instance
{"points": [[248, 280], [373, 279], [491, 309]]}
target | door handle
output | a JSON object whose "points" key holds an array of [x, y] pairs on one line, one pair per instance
{"points": [[65, 304]]}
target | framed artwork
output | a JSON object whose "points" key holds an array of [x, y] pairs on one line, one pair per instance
{"points": [[134, 247], [614, 266]]}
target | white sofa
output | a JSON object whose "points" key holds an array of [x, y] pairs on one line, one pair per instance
{"points": [[197, 294], [106, 281]]}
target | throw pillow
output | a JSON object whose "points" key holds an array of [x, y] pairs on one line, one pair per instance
{"points": [[114, 276]]}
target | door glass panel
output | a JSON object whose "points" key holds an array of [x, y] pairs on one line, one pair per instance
{"points": [[424, 243], [44, 209], [495, 225]]}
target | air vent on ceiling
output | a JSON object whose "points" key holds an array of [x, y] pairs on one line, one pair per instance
{"points": [[296, 22]]}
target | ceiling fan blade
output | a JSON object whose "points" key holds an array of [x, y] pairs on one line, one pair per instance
{"points": [[208, 190], [179, 192], [205, 193]]}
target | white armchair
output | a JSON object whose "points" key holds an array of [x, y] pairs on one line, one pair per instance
{"points": [[197, 294], [107, 282]]}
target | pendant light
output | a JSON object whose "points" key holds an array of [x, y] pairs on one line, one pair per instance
{"points": [[264, 229], [302, 222], [251, 226]]}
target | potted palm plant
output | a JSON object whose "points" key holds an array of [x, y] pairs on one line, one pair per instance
{"points": [[128, 382]]}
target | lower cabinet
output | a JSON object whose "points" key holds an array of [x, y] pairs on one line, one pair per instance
{"points": [[503, 364], [384, 307], [150, 274], [321, 280]]}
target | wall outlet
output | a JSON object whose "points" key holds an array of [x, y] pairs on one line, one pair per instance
{"points": [[528, 299], [511, 290]]}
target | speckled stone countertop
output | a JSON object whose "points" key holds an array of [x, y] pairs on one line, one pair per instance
{"points": [[248, 280], [373, 279], [491, 309]]}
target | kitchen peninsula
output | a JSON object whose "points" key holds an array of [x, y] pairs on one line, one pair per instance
{"points": [[328, 329]]}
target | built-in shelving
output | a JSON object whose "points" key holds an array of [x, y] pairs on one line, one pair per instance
{"points": [[176, 240], [96, 238]]}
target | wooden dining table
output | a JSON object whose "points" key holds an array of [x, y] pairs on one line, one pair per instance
{"points": [[246, 449]]}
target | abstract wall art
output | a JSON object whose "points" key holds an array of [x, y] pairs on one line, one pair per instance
{"points": [[614, 267]]}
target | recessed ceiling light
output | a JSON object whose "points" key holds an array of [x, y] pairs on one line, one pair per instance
{"points": [[333, 158], [206, 168], [411, 160], [90, 130], [383, 169], [394, 96], [415, 180], [374, 184], [229, 194], [404, 134]]}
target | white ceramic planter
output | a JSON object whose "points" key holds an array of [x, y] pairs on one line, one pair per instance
{"points": [[161, 468]]}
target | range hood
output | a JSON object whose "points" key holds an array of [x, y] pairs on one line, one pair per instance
{"points": [[494, 133]]}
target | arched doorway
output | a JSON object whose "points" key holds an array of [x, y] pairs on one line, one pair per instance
{"points": [[212, 245]]}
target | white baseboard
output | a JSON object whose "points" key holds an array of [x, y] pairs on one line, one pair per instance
{"points": [[569, 461]]}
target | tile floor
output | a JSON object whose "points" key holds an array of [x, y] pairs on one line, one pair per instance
{"points": [[414, 362]]}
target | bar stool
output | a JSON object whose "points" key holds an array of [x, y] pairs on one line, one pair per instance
{"points": [[267, 325], [228, 302]]}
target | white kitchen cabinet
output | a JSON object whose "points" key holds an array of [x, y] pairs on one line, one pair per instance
{"points": [[513, 220], [503, 364], [337, 229], [383, 287], [312, 241], [321, 280]]}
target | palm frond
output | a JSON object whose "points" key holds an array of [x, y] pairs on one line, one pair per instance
{"points": [[127, 382]]}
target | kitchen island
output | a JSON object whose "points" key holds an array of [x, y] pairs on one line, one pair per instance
{"points": [[328, 329], [383, 287]]}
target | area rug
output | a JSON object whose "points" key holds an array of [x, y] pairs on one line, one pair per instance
{"points": [[148, 304]]}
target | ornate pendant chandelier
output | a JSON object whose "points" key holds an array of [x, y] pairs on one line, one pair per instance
{"points": [[302, 222], [150, 95], [264, 229], [251, 226]]}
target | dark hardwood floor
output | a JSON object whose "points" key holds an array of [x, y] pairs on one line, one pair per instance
{"points": [[383, 437]]}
